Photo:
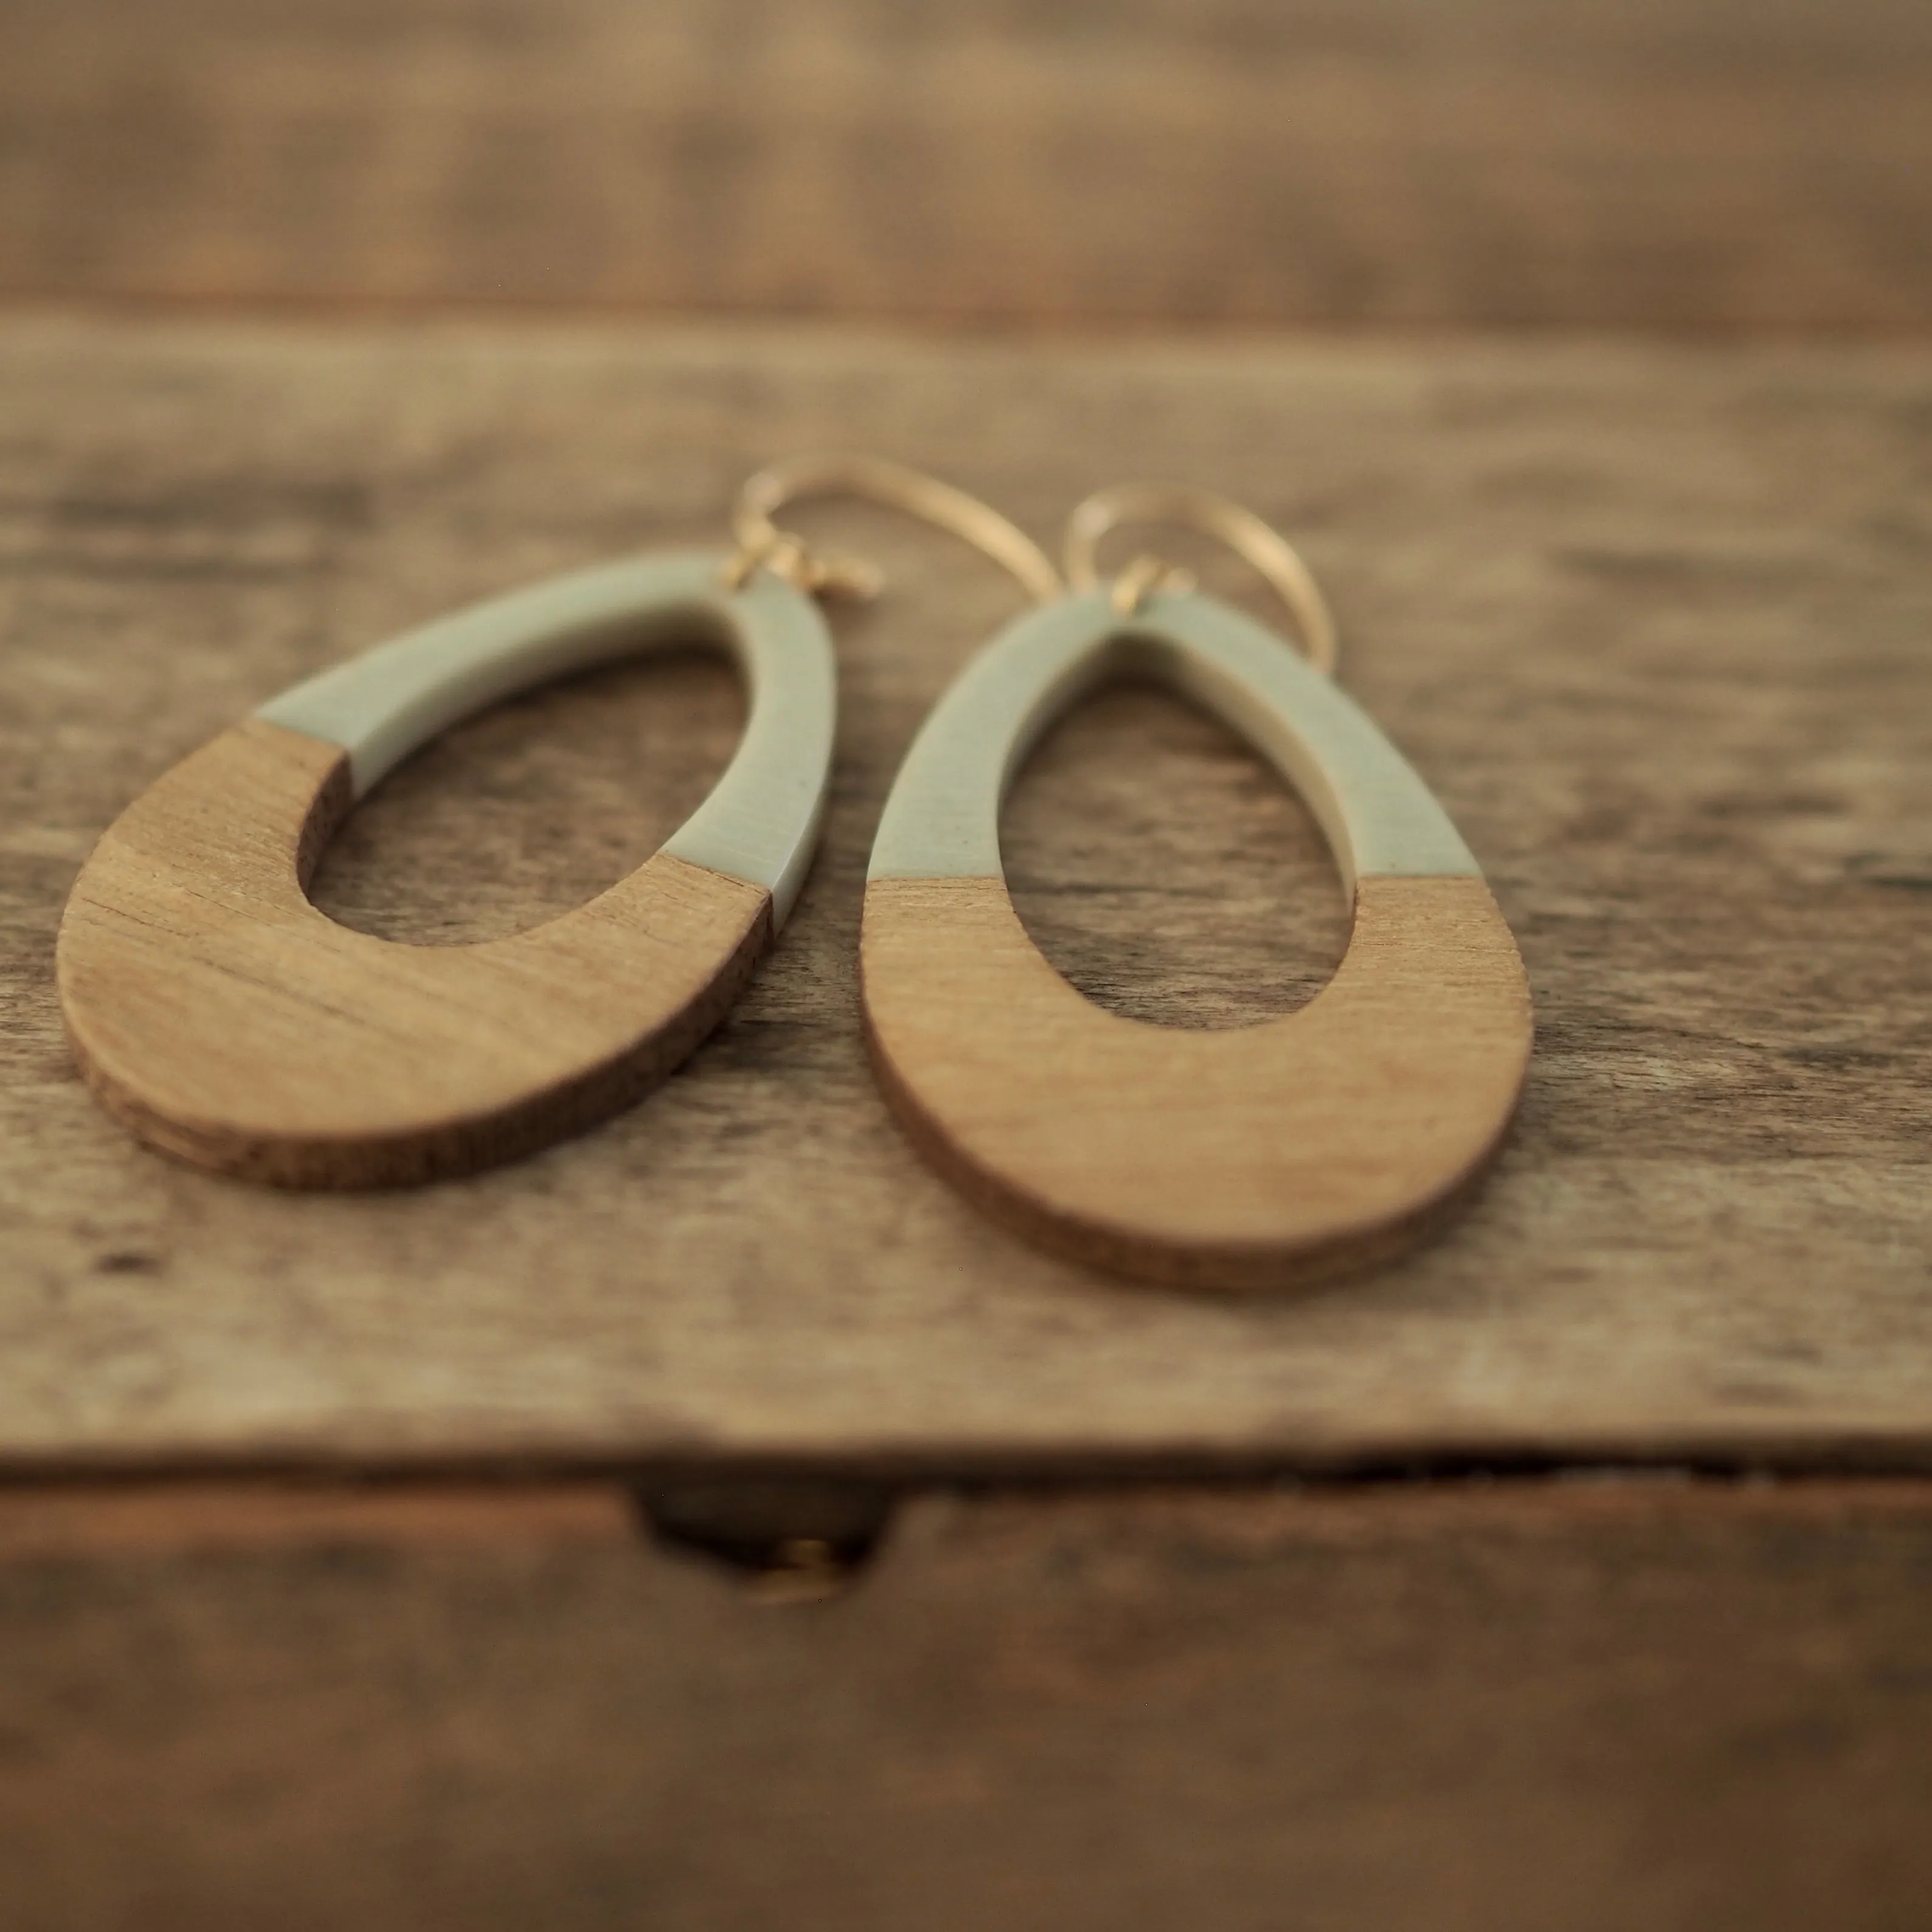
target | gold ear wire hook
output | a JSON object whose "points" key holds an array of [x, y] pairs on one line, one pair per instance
{"points": [[1241, 530], [761, 542]]}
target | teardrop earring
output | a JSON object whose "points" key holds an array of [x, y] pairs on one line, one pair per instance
{"points": [[224, 1020], [1251, 1158]]}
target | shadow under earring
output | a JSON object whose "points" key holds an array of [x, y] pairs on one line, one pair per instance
{"points": [[224, 1020], [1254, 1157]]}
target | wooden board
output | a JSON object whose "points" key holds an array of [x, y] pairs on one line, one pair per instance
{"points": [[1651, 623], [1598, 1706], [1681, 164]]}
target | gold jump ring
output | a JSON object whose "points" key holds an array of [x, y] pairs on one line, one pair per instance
{"points": [[1255, 541]]}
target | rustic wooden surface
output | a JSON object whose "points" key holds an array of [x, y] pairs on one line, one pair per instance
{"points": [[1652, 622], [1655, 625], [1596, 1706], [1681, 164]]}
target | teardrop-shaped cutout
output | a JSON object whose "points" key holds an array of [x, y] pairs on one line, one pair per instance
{"points": [[1247, 1158], [1164, 869], [535, 806], [226, 1020]]}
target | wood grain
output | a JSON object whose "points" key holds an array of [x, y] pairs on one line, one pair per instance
{"points": [[1650, 622], [220, 1017], [1431, 1708], [1266, 1156], [1689, 164]]}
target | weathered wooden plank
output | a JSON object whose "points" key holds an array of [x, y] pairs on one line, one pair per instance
{"points": [[113, 1522], [1685, 163], [1652, 623], [1600, 1706]]}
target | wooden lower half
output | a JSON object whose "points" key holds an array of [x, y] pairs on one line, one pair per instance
{"points": [[1254, 1157], [225, 1021]]}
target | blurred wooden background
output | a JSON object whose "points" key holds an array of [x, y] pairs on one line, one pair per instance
{"points": [[1686, 164], [711, 1523]]}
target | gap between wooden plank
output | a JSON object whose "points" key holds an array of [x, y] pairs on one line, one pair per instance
{"points": [[159, 1512]]}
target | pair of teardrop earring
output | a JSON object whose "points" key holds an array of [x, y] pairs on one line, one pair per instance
{"points": [[224, 1020]]}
